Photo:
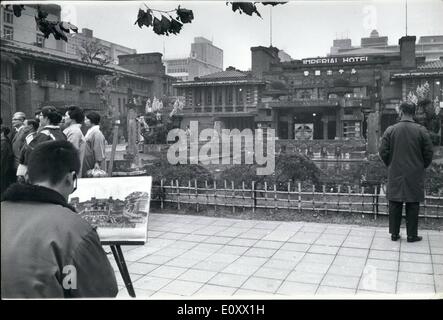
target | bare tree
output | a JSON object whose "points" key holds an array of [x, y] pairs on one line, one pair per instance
{"points": [[92, 51]]}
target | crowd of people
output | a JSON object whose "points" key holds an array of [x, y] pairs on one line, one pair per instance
{"points": [[49, 124], [48, 252]]}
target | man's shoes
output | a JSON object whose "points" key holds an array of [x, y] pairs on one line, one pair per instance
{"points": [[395, 237], [414, 238]]}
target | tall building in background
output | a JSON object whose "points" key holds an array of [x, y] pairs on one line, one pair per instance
{"points": [[23, 29], [204, 59], [429, 47]]}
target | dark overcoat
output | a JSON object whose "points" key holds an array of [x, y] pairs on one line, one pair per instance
{"points": [[406, 148], [49, 251]]}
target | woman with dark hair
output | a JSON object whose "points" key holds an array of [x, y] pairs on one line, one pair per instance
{"points": [[50, 130], [7, 160], [95, 144]]}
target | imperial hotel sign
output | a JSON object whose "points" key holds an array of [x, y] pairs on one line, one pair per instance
{"points": [[336, 60]]}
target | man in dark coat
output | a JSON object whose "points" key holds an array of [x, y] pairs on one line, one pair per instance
{"points": [[7, 175], [47, 250], [406, 148]]}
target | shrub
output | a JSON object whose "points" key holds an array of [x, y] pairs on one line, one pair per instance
{"points": [[288, 168]]}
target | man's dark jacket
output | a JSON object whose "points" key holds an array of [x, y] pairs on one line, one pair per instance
{"points": [[406, 148], [42, 241], [7, 175]]}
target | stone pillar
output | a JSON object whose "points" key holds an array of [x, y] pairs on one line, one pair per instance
{"points": [[223, 91], [61, 76], [29, 71], [325, 128], [213, 98], [339, 117], [290, 126], [234, 98], [404, 93], [373, 132], [275, 121]]}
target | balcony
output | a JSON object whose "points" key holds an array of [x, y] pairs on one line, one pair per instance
{"points": [[221, 109], [302, 103]]}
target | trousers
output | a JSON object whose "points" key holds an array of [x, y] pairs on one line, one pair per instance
{"points": [[395, 214]]}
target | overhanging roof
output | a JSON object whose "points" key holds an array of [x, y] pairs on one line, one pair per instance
{"points": [[55, 56], [216, 82]]}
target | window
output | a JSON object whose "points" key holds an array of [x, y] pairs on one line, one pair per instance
{"points": [[8, 33], [209, 97], [229, 96], [329, 72], [239, 92], [306, 73], [198, 97], [218, 97], [317, 72], [8, 16], [40, 41], [306, 94]]}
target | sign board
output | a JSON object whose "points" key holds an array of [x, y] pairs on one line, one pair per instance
{"points": [[335, 60], [303, 131], [117, 206]]}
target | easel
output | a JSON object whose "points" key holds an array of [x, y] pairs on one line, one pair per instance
{"points": [[115, 246], [121, 264]]}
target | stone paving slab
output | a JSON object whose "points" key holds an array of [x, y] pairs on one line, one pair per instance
{"points": [[205, 257]]}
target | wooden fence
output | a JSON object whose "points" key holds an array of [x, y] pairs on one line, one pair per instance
{"points": [[296, 197]]}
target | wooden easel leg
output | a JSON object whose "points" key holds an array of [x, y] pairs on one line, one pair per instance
{"points": [[120, 260]]}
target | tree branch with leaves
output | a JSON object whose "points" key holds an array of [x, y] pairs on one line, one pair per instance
{"points": [[92, 51]]}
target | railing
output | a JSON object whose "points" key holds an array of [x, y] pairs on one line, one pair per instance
{"points": [[294, 197]]}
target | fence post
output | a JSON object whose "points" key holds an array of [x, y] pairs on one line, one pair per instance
{"points": [[313, 199], [289, 195], [233, 196], [189, 191], [424, 207], [338, 198], [376, 203], [275, 198], [349, 199], [172, 190], [299, 197], [196, 194], [243, 194], [362, 199], [215, 195], [266, 195], [178, 195], [438, 204], [162, 194], [206, 194], [254, 199], [325, 207]]}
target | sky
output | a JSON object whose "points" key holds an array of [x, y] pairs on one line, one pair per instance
{"points": [[301, 28]]}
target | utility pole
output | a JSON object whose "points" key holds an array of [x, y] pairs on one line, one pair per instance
{"points": [[270, 25], [406, 8]]}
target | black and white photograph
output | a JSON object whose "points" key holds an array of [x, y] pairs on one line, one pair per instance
{"points": [[222, 151]]}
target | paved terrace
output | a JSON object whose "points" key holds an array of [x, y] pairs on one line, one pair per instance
{"points": [[197, 257]]}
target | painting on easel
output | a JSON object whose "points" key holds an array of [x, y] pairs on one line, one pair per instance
{"points": [[118, 207]]}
